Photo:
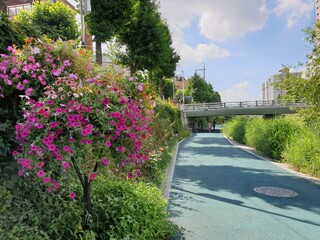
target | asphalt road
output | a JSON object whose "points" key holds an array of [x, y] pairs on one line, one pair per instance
{"points": [[221, 192]]}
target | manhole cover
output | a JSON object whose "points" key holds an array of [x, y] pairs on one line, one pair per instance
{"points": [[275, 191]]}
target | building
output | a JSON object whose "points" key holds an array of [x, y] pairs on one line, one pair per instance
{"points": [[269, 89], [181, 83], [269, 92]]}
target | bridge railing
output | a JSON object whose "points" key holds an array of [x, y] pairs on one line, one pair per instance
{"points": [[242, 104]]}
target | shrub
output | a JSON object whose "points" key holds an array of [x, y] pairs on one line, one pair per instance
{"points": [[270, 136], [30, 214], [128, 210], [235, 129], [303, 152]]}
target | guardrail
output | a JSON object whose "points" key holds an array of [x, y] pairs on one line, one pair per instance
{"points": [[236, 105]]}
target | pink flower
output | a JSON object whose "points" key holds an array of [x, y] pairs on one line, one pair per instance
{"points": [[40, 173], [15, 153], [120, 148], [105, 162], [130, 175], [140, 88], [20, 173], [138, 173], [72, 195], [108, 144], [66, 148], [105, 101], [88, 109], [59, 110], [46, 180], [92, 176], [40, 165], [65, 164]]}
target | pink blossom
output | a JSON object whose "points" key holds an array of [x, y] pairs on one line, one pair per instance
{"points": [[15, 153], [40, 164], [66, 148], [130, 175], [105, 101], [92, 176], [46, 180], [140, 88], [20, 173], [108, 144], [40, 173], [59, 110], [72, 195], [65, 164], [120, 148], [138, 173], [105, 162]]}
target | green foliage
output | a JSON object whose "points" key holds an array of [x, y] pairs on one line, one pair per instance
{"points": [[128, 210], [305, 87], [28, 213], [9, 32], [148, 42], [53, 19], [303, 152], [109, 18], [270, 136], [235, 129], [201, 91]]}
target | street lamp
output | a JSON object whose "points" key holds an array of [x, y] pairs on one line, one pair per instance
{"points": [[85, 8]]}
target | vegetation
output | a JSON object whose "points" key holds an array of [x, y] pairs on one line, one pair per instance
{"points": [[108, 19], [53, 19], [9, 32], [235, 129], [201, 91], [285, 139], [305, 87]]}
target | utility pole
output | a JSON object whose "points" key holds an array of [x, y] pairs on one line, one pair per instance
{"points": [[182, 87], [204, 71]]}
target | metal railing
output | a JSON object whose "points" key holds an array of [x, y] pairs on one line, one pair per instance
{"points": [[236, 105]]}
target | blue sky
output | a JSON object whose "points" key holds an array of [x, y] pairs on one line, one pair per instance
{"points": [[240, 42]]}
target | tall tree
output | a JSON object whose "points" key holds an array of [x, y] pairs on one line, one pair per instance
{"points": [[107, 19], [148, 42], [201, 91]]}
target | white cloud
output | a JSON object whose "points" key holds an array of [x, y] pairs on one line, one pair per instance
{"points": [[238, 92], [218, 21], [294, 9]]}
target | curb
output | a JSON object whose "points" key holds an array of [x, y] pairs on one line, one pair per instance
{"points": [[251, 151], [170, 171]]}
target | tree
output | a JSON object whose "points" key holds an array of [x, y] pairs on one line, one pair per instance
{"points": [[53, 19], [148, 43], [107, 19], [201, 91], [306, 87]]}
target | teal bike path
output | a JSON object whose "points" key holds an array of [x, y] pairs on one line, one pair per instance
{"points": [[221, 192]]}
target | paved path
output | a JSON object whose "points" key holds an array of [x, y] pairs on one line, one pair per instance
{"points": [[215, 195]]}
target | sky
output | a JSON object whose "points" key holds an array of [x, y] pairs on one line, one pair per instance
{"points": [[241, 43]]}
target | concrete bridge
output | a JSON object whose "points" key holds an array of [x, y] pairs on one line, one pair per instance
{"points": [[259, 107]]}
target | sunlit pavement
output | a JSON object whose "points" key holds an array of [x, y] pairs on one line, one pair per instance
{"points": [[219, 191]]}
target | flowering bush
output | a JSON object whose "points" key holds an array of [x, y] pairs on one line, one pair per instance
{"points": [[37, 64], [74, 120]]}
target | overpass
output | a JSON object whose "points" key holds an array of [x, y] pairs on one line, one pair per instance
{"points": [[259, 107], [239, 108]]}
